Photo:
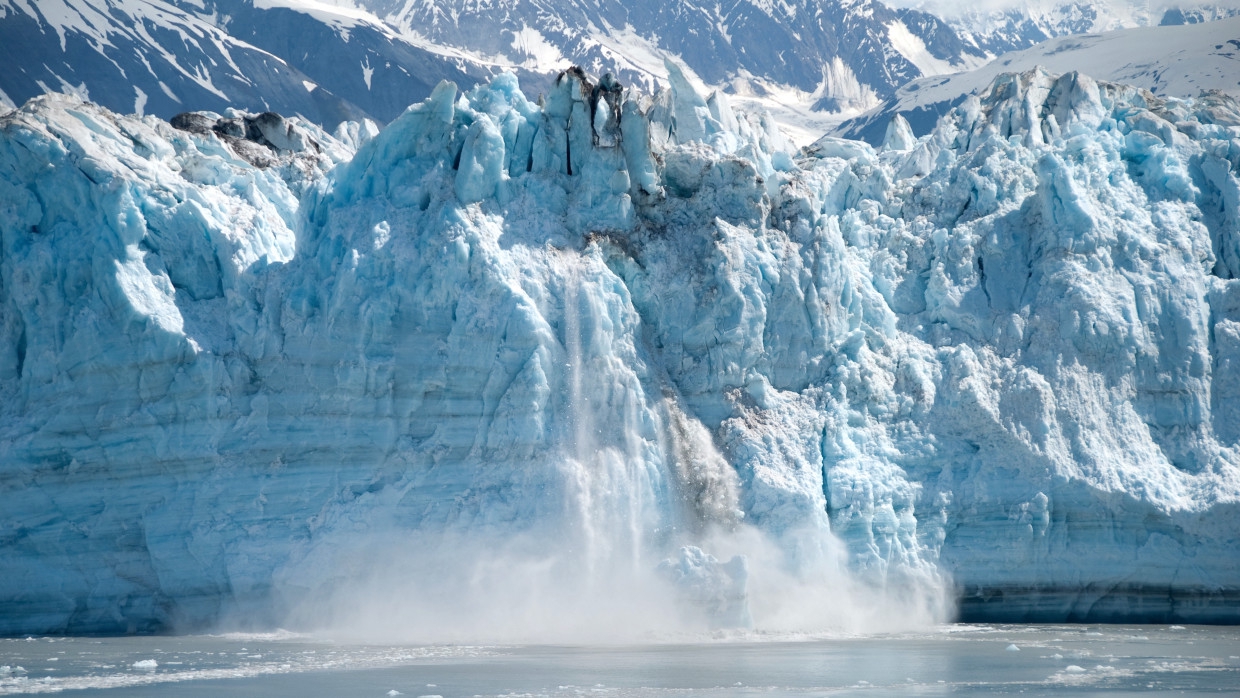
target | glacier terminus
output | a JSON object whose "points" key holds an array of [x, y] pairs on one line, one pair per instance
{"points": [[506, 360]]}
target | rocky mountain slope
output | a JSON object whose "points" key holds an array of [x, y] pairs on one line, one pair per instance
{"points": [[328, 62], [163, 58]]}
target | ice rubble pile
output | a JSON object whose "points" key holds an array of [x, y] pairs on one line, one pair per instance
{"points": [[1008, 352]]}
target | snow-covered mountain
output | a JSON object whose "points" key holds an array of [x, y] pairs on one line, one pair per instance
{"points": [[147, 56], [1028, 24], [1189, 59], [152, 56], [329, 61], [1197, 14], [505, 365], [1022, 25], [356, 54], [839, 50]]}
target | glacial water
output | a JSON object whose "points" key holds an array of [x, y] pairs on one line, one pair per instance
{"points": [[1031, 660]]}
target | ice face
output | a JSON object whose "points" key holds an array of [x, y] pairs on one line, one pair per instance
{"points": [[613, 330]]}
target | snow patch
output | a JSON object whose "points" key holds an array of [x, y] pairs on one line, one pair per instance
{"points": [[841, 88], [539, 54], [344, 14], [168, 91], [914, 49]]}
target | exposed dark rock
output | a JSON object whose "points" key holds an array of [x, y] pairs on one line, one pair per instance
{"points": [[260, 139]]}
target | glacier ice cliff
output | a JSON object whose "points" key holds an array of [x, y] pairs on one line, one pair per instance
{"points": [[595, 331]]}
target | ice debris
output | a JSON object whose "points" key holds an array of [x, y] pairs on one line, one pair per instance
{"points": [[713, 588]]}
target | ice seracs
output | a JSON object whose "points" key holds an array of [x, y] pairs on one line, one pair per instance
{"points": [[615, 330], [1190, 60]]}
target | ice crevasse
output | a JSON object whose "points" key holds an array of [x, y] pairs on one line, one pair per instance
{"points": [[243, 358]]}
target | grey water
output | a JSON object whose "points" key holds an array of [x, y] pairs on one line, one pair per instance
{"points": [[1034, 660]]}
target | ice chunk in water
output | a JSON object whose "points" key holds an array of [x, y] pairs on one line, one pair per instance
{"points": [[717, 588]]}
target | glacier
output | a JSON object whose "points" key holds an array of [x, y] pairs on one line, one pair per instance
{"points": [[1192, 58], [611, 344]]}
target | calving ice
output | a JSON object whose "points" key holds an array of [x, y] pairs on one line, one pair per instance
{"points": [[620, 361]]}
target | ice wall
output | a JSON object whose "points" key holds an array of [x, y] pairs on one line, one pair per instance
{"points": [[604, 330]]}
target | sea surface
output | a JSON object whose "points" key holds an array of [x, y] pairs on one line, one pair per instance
{"points": [[1051, 660]]}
